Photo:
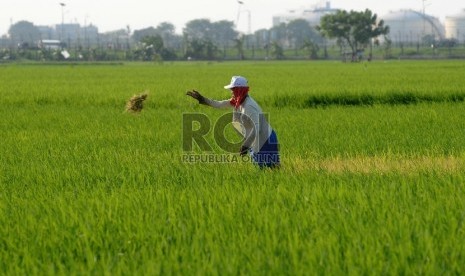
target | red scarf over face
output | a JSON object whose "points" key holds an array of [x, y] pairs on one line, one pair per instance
{"points": [[239, 95]]}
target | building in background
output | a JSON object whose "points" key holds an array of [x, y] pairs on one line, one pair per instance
{"points": [[412, 27], [313, 16], [47, 32], [406, 26], [49, 44], [455, 26], [71, 34], [68, 33], [90, 35]]}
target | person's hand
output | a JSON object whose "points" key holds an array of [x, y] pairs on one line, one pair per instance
{"points": [[244, 150], [196, 95]]}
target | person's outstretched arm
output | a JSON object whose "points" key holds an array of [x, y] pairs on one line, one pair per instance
{"points": [[206, 101]]}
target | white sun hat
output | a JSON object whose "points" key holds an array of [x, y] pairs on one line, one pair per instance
{"points": [[237, 81]]}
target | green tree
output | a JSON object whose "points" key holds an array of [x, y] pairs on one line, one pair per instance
{"points": [[200, 29], [387, 47], [138, 35], [166, 31], [201, 49], [166, 28], [353, 29], [203, 37], [299, 31], [155, 41], [262, 38], [312, 49], [151, 48], [239, 46], [154, 49], [277, 50], [279, 33], [223, 33]]}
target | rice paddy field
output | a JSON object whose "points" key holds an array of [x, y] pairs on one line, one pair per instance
{"points": [[372, 180]]}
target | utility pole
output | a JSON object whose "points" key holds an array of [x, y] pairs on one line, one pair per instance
{"points": [[424, 15], [11, 38], [423, 12], [85, 32], [249, 28], [62, 20], [238, 11]]}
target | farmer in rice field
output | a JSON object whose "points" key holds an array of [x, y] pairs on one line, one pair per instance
{"points": [[260, 140]]}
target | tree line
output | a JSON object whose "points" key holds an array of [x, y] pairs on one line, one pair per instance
{"points": [[345, 33]]}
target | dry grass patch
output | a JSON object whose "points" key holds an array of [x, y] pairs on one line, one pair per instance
{"points": [[136, 103], [380, 164]]}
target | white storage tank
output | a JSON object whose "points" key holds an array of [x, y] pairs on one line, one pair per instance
{"points": [[409, 26], [455, 26]]}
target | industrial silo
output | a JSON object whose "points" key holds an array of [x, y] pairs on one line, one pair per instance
{"points": [[408, 26], [455, 26]]}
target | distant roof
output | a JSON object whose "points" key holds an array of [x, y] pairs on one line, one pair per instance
{"points": [[460, 15], [405, 15], [50, 41]]}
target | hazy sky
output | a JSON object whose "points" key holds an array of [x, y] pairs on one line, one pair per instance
{"points": [[117, 14]]}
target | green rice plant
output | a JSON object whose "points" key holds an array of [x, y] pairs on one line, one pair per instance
{"points": [[369, 184]]}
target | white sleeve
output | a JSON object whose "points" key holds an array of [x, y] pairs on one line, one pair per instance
{"points": [[217, 104], [251, 124]]}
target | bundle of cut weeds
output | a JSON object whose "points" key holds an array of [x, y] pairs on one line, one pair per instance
{"points": [[135, 103]]}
